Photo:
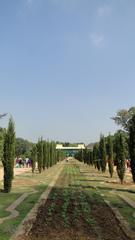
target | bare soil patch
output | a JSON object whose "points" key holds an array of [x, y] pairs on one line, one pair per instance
{"points": [[109, 225], [55, 226]]}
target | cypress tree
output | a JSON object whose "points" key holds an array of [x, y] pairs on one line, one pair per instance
{"points": [[54, 153], [9, 155], [132, 146], [34, 157], [110, 155], [120, 157], [91, 157], [102, 153], [85, 155], [1, 143], [44, 155], [40, 155], [48, 154], [96, 159], [58, 155]]}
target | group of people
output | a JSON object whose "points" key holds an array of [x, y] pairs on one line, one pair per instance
{"points": [[23, 162]]}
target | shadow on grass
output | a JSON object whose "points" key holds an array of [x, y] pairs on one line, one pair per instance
{"points": [[2, 191], [103, 188], [87, 180]]}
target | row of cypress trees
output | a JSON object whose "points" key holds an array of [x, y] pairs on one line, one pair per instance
{"points": [[44, 153], [109, 150], [113, 150]]}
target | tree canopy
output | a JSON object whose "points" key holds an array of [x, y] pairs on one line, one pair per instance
{"points": [[123, 118], [23, 147]]}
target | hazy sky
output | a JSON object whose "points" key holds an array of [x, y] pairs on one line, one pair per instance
{"points": [[66, 66]]}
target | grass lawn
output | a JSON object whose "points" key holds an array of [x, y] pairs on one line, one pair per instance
{"points": [[26, 183]]}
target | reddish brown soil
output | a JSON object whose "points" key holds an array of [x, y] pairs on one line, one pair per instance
{"points": [[52, 227], [109, 225], [103, 224]]}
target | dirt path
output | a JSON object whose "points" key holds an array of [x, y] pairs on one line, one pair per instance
{"points": [[74, 213], [17, 171]]}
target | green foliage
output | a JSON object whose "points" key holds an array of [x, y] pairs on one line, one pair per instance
{"points": [[132, 146], [80, 155], [123, 118], [102, 153], [126, 144], [60, 155], [52, 153], [96, 159], [1, 142], [120, 156], [9, 155], [110, 154], [23, 147], [44, 155], [47, 154], [34, 157], [40, 155], [87, 156]]}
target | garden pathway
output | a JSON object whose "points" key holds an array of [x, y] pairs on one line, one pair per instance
{"points": [[17, 171], [12, 207]]}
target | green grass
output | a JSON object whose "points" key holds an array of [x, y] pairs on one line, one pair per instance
{"points": [[7, 199], [125, 210], [92, 182], [8, 227]]}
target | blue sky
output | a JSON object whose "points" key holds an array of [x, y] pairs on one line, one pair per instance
{"points": [[66, 66]]}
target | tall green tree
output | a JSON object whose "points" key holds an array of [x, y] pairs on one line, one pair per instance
{"points": [[102, 152], [110, 154], [120, 156], [48, 154], [91, 157], [34, 157], [40, 155], [23, 148], [96, 159], [9, 155], [44, 155], [123, 118], [125, 137], [132, 146], [1, 142], [52, 153]]}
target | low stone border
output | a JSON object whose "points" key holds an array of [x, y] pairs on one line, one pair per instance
{"points": [[129, 201], [123, 223], [26, 225], [12, 207]]}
